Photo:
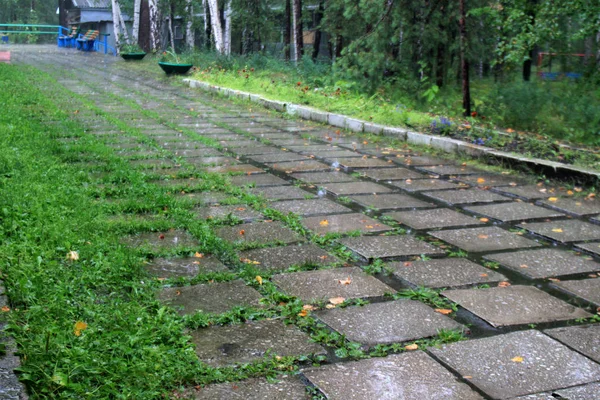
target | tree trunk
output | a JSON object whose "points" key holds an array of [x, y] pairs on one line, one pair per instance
{"points": [[207, 24], [144, 34], [287, 30], [217, 31], [122, 22], [171, 31], [154, 15], [227, 32], [190, 37], [464, 64], [527, 67], [116, 24], [598, 46], [62, 14], [297, 23], [135, 34], [440, 65], [318, 18]]}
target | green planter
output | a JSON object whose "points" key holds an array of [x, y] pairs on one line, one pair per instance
{"points": [[174, 68], [133, 56]]}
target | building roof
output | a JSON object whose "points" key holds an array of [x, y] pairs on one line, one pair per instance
{"points": [[91, 3]]}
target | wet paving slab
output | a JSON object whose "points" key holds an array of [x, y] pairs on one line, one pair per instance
{"points": [[324, 177], [257, 180], [309, 207], [433, 219], [344, 223], [220, 346], [449, 170], [423, 185], [401, 247], [212, 298], [517, 364], [586, 289], [465, 196], [283, 387], [485, 239], [350, 188], [514, 305], [584, 338], [513, 211], [527, 192], [322, 285], [161, 241], [410, 376], [278, 157], [259, 232], [387, 322], [387, 201], [390, 174], [545, 263], [241, 212], [444, 273], [424, 160], [564, 231], [300, 166], [284, 257], [184, 267], [274, 193], [577, 207], [492, 181]]}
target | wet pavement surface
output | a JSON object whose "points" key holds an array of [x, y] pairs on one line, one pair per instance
{"points": [[492, 243]]}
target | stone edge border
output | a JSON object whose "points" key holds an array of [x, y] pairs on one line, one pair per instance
{"points": [[447, 145], [10, 387]]}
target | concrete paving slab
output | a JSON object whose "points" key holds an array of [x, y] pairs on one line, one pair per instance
{"points": [[350, 188], [203, 197], [544, 263], [564, 231], [184, 267], [444, 273], [424, 160], [448, 170], [489, 238], [421, 185], [527, 192], [584, 338], [402, 247], [213, 298], [284, 156], [274, 193], [324, 177], [219, 346], [513, 211], [592, 247], [465, 196], [514, 305], [285, 387], [517, 364], [390, 174], [407, 376], [578, 207], [280, 258], [388, 322], [246, 169], [363, 162], [309, 207], [314, 286], [192, 153], [492, 180], [300, 166], [432, 219], [390, 201], [257, 180], [586, 289], [212, 161], [259, 232], [344, 223], [258, 149], [332, 156], [240, 211], [161, 241], [591, 391]]}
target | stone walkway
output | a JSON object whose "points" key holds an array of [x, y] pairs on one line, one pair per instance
{"points": [[518, 259]]}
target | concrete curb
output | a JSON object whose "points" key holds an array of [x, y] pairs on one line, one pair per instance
{"points": [[447, 145]]}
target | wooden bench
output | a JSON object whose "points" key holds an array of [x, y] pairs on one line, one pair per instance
{"points": [[86, 42], [68, 40]]}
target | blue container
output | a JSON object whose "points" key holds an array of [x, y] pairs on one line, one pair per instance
{"points": [[5, 39]]}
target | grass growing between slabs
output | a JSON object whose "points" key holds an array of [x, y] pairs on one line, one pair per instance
{"points": [[82, 307]]}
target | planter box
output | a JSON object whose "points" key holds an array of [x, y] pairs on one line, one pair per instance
{"points": [[172, 68]]}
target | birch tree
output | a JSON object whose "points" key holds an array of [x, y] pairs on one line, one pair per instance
{"points": [[135, 33], [116, 24], [227, 32], [216, 25], [154, 24], [297, 28], [190, 37]]}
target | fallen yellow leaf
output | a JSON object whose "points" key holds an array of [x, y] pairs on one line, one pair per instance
{"points": [[259, 280], [198, 255], [5, 309], [413, 346], [557, 230], [484, 219], [337, 300], [73, 255], [346, 281], [79, 326], [303, 313], [504, 284], [482, 236], [480, 180], [324, 223], [553, 199], [444, 311], [517, 359]]}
